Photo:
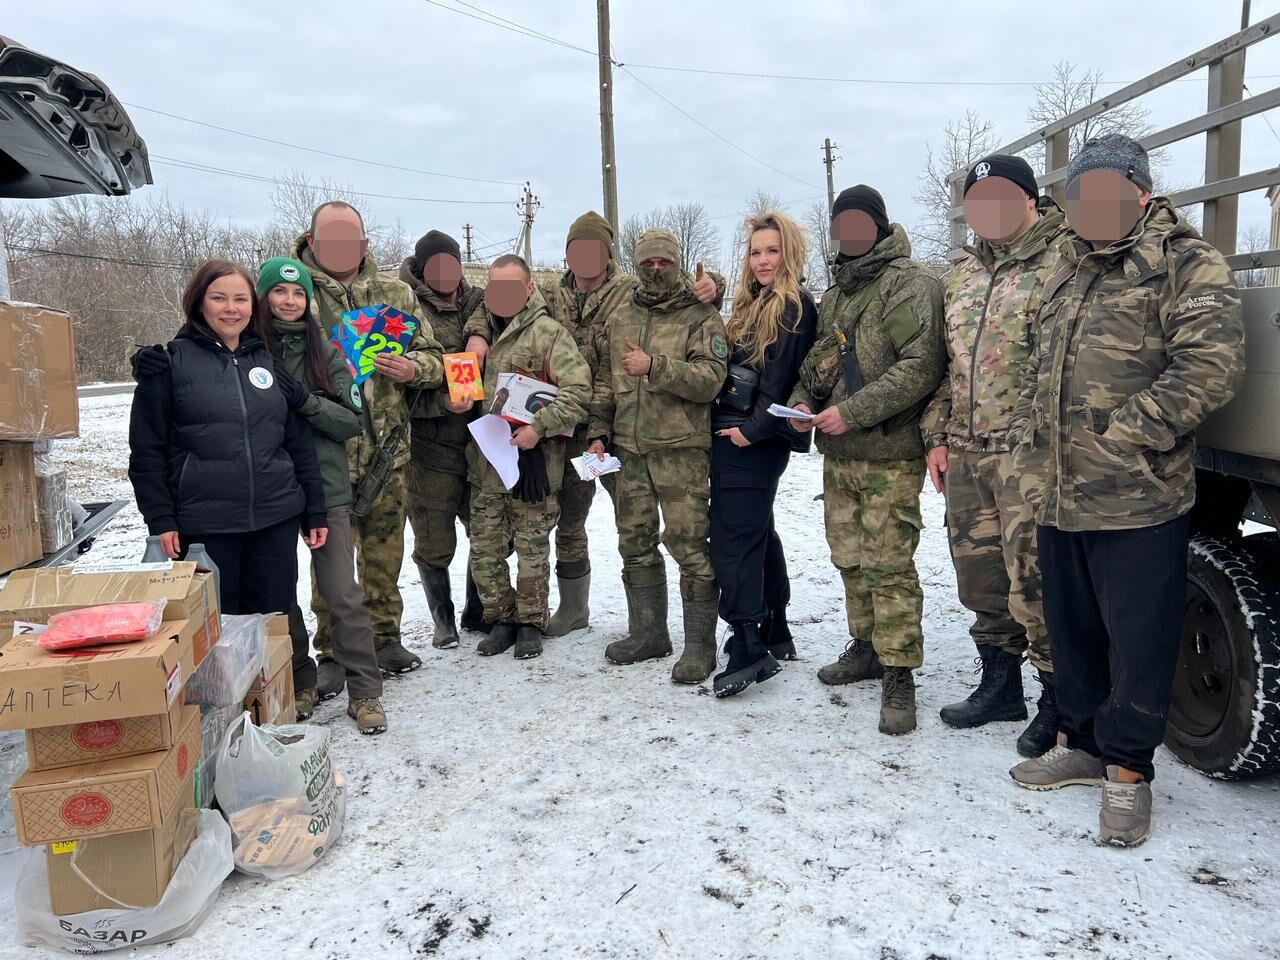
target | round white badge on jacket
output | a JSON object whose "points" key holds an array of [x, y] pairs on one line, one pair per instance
{"points": [[261, 378]]}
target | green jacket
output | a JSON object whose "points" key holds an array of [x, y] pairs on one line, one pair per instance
{"points": [[1137, 343], [439, 437], [385, 404], [584, 314], [992, 298], [333, 421], [890, 307], [534, 344], [671, 407]]}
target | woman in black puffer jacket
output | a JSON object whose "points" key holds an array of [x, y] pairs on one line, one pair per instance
{"points": [[217, 451]]}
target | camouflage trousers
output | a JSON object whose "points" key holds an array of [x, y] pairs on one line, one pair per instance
{"points": [[674, 486], [500, 523], [993, 546], [872, 514], [379, 541], [437, 500], [576, 495]]}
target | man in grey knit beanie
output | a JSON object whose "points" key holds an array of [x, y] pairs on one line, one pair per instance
{"points": [[1116, 152]]}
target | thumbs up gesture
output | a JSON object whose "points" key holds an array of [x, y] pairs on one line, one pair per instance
{"points": [[635, 361], [704, 288]]}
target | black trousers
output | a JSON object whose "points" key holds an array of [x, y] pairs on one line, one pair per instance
{"points": [[1113, 604], [746, 552], [258, 571]]}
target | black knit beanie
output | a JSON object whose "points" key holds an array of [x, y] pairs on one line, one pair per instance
{"points": [[431, 244], [868, 200]]}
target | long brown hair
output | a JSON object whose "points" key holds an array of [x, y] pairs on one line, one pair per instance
{"points": [[316, 362], [757, 317], [198, 286]]}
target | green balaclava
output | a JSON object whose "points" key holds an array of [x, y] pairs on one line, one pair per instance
{"points": [[658, 285]]}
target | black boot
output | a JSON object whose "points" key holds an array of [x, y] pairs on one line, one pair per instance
{"points": [[473, 612], [435, 584], [528, 642], [749, 662], [775, 633], [1042, 731], [999, 693], [501, 638]]}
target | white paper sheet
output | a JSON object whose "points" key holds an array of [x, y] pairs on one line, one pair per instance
{"points": [[589, 466], [778, 410], [493, 437]]}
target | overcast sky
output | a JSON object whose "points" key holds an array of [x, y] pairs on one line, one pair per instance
{"points": [[408, 83]]}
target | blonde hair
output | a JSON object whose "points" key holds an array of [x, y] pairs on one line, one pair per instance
{"points": [[755, 321]]}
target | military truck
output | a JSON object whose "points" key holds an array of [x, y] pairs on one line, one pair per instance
{"points": [[63, 132], [1225, 716]]}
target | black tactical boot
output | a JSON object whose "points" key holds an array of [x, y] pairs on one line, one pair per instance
{"points": [[394, 658], [435, 584], [473, 612], [332, 678], [698, 659], [501, 638], [647, 637], [775, 633], [528, 642], [749, 662], [999, 693], [1042, 731]]}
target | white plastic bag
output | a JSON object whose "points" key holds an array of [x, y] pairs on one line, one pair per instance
{"points": [[227, 673], [186, 903], [285, 803]]}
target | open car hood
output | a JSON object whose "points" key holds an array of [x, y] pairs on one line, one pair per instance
{"points": [[62, 131]]}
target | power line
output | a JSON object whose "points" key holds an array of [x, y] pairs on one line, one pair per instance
{"points": [[718, 136], [1264, 116], [258, 178], [323, 153], [504, 24], [89, 256]]}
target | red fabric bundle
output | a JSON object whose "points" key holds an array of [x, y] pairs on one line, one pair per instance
{"points": [[109, 623]]}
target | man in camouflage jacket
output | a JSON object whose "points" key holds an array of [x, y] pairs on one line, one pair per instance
{"points": [[1139, 338], [992, 296], [346, 277]]}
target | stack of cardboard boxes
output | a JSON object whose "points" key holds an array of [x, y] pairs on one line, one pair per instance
{"points": [[113, 750], [37, 402]]}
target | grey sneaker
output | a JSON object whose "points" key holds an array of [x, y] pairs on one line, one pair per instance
{"points": [[1125, 817], [1060, 767]]}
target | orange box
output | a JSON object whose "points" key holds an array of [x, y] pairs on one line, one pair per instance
{"points": [[49, 748], [110, 797]]}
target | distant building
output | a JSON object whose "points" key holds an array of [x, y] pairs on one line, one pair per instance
{"points": [[1273, 198]]}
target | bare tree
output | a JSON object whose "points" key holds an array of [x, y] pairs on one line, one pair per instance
{"points": [[761, 202], [698, 237], [818, 219], [964, 142], [1255, 239], [632, 227], [1066, 93]]}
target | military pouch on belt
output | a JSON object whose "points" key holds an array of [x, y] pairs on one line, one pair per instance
{"points": [[849, 366], [383, 462]]}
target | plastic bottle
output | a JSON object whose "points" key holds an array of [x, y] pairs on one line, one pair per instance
{"points": [[197, 554], [155, 552]]}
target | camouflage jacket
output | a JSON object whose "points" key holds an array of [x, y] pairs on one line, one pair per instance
{"points": [[385, 406], [992, 297], [584, 314], [890, 307], [534, 344], [671, 407], [1136, 344], [439, 438]]}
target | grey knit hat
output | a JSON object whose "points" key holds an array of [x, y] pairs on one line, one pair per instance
{"points": [[1116, 152]]}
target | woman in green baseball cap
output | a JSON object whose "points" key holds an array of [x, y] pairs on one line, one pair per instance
{"points": [[309, 362]]}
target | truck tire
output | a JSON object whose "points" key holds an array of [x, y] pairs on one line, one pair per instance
{"points": [[1224, 719]]}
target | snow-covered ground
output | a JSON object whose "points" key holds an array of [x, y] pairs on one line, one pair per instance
{"points": [[567, 807]]}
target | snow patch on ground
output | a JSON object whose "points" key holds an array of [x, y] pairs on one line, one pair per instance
{"points": [[567, 807]]}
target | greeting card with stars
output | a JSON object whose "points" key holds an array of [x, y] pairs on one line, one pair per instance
{"points": [[363, 334]]}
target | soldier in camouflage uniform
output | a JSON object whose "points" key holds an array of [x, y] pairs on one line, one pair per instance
{"points": [[883, 316], [992, 296], [524, 340], [439, 496], [586, 295], [662, 359], [346, 277], [1139, 338]]}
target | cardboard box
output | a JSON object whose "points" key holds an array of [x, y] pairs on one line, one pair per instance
{"points": [[130, 868], [34, 596], [19, 523], [38, 398], [49, 748], [272, 696], [110, 797], [39, 688]]}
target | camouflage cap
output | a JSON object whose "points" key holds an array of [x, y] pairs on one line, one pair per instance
{"points": [[657, 242]]}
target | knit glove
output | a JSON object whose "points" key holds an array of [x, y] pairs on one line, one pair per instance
{"points": [[149, 361], [295, 394], [533, 486]]}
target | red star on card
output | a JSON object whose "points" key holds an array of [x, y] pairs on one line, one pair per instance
{"points": [[363, 322], [393, 325]]}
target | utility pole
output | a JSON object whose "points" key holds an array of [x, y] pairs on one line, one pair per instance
{"points": [[466, 233], [527, 204], [608, 160], [829, 162]]}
